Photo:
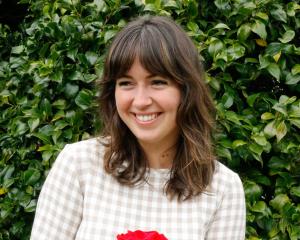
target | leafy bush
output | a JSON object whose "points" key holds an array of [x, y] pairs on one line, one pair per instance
{"points": [[251, 50]]}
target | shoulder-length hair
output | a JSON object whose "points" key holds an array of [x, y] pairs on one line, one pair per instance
{"points": [[163, 49]]}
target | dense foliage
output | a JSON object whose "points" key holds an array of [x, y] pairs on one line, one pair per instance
{"points": [[251, 49]]}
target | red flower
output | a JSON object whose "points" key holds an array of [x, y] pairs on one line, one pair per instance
{"points": [[140, 235]]}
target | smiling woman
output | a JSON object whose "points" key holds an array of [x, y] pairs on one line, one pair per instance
{"points": [[153, 168], [148, 105]]}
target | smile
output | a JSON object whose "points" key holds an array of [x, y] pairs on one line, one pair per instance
{"points": [[146, 117]]}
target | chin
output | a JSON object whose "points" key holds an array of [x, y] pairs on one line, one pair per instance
{"points": [[148, 140]]}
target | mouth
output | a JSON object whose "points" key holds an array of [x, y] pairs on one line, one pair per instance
{"points": [[145, 118]]}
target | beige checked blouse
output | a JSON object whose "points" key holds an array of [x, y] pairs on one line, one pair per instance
{"points": [[80, 201]]}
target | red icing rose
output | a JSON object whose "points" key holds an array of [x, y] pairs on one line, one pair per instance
{"points": [[140, 235]]}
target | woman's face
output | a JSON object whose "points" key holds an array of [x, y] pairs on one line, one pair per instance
{"points": [[148, 105]]}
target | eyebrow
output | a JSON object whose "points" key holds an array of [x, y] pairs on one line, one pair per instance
{"points": [[148, 76]]}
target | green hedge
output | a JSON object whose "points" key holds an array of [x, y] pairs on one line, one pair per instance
{"points": [[251, 49]]}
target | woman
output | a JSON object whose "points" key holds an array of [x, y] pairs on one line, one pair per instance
{"points": [[154, 167]]}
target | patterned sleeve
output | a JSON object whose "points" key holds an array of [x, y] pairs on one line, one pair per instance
{"points": [[59, 207], [229, 221]]}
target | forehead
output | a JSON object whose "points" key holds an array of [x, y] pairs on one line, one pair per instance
{"points": [[138, 70]]}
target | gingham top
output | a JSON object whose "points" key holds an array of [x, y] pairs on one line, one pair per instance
{"points": [[79, 200]]}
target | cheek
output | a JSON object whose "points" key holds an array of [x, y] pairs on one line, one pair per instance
{"points": [[173, 100], [122, 101]]}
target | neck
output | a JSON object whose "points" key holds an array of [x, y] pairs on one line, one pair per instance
{"points": [[159, 156]]}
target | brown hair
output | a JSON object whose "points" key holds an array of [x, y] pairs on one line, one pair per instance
{"points": [[163, 49]]}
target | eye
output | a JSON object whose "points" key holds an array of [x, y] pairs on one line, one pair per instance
{"points": [[124, 83], [159, 82]]}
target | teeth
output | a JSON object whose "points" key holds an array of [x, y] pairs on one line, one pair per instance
{"points": [[146, 118]]}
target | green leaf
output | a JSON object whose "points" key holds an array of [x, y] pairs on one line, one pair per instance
{"points": [[172, 4], [274, 48], [232, 117], [8, 182], [192, 9], [295, 122], [57, 76], [222, 4], [46, 155], [295, 191], [235, 51], [270, 129], [238, 143], [287, 36], [225, 143], [294, 112], [221, 26], [100, 5], [68, 134], [213, 82], [260, 207], [296, 69], [292, 79], [260, 140], [46, 147], [110, 34], [89, 77], [227, 100], [76, 75], [58, 115], [46, 108], [274, 70], [215, 47], [91, 57], [71, 90], [252, 98], [285, 100], [291, 8], [279, 107], [193, 26], [279, 14], [150, 7], [31, 206], [72, 53], [258, 177], [20, 128], [264, 61], [267, 116], [279, 201], [17, 49], [262, 16], [252, 190], [281, 130], [60, 124], [256, 148], [60, 104], [223, 152], [84, 99], [278, 163], [7, 172], [259, 28], [45, 138], [31, 176], [244, 31], [33, 124]]}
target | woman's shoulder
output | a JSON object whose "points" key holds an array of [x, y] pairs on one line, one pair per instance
{"points": [[225, 179], [83, 153], [88, 145]]}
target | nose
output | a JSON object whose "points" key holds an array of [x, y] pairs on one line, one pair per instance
{"points": [[142, 98]]}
